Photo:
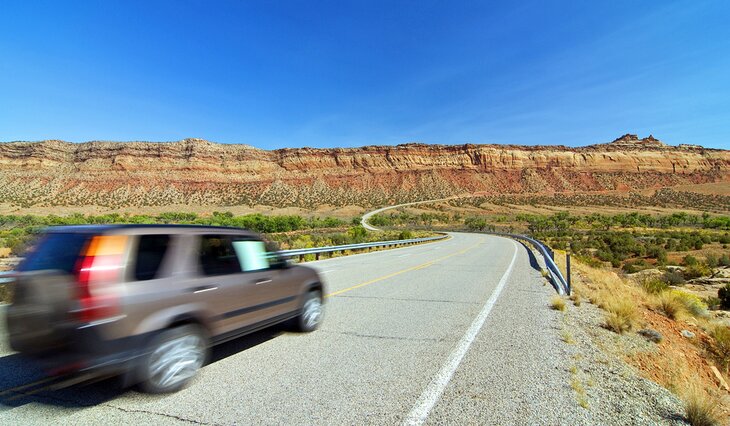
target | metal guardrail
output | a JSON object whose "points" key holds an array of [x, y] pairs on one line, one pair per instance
{"points": [[561, 285], [361, 246], [3, 277]]}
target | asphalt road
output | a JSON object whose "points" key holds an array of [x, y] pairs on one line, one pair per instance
{"points": [[455, 332]]}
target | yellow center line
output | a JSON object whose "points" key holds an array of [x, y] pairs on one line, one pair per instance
{"points": [[413, 268]]}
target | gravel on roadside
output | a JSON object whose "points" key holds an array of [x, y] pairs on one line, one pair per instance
{"points": [[613, 391]]}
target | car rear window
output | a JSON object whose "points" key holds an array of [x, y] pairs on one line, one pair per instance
{"points": [[59, 251], [151, 250]]}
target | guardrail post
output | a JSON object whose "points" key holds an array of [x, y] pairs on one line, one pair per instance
{"points": [[567, 269]]}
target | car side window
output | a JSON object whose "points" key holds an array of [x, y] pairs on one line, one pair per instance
{"points": [[252, 255], [151, 249], [217, 256]]}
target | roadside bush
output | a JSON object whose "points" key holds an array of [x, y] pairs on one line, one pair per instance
{"points": [[357, 233], [723, 293], [405, 235], [475, 223], [692, 303]]}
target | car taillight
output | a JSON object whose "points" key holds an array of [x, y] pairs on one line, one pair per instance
{"points": [[97, 277]]}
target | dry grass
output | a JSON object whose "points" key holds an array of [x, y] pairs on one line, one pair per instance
{"points": [[577, 386], [621, 313], [609, 292], [557, 303], [567, 337], [701, 408], [670, 305], [692, 304], [575, 296], [720, 346], [679, 364], [605, 284], [653, 285]]}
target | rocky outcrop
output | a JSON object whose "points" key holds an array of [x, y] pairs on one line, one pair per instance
{"points": [[195, 171]]}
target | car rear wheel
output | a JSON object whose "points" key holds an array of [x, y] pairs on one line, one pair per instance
{"points": [[312, 312], [173, 359]]}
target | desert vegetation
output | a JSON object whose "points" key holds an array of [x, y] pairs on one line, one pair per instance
{"points": [[17, 231], [286, 231], [689, 342], [632, 241]]}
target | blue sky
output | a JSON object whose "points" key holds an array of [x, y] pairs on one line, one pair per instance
{"points": [[336, 73]]}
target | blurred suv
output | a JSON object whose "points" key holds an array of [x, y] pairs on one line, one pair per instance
{"points": [[147, 301]]}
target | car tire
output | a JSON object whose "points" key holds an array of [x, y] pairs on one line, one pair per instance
{"points": [[312, 312], [173, 358]]}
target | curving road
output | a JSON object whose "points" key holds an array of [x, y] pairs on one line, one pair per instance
{"points": [[365, 217], [447, 332]]}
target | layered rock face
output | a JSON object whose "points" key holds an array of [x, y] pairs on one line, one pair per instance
{"points": [[198, 172]]}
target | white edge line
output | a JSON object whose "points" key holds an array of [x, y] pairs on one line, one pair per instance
{"points": [[430, 396]]}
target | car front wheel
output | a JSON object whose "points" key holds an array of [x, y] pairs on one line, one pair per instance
{"points": [[312, 312]]}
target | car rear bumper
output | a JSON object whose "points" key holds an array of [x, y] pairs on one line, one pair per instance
{"points": [[88, 353]]}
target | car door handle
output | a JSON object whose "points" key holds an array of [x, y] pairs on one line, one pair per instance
{"points": [[203, 288], [262, 281]]}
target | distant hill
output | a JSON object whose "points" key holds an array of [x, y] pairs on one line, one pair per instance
{"points": [[198, 172]]}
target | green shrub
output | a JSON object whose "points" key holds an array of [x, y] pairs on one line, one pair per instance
{"points": [[696, 270], [692, 303], [405, 235], [357, 233], [653, 285], [724, 260], [673, 278], [635, 266], [689, 260], [724, 295], [711, 260], [712, 302]]}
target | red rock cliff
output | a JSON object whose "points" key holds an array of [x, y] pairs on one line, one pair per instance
{"points": [[195, 171]]}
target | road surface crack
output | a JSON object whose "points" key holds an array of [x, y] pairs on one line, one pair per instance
{"points": [[132, 410], [375, 336], [81, 404]]}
